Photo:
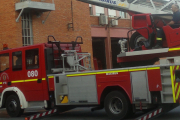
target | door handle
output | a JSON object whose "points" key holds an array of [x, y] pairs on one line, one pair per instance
{"points": [[39, 81]]}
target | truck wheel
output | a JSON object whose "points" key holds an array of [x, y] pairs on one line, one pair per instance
{"points": [[13, 106], [116, 105], [136, 40]]}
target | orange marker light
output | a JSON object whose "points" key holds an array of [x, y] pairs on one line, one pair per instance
{"points": [[5, 46]]}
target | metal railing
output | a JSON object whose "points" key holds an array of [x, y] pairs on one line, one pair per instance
{"points": [[76, 62], [73, 59]]}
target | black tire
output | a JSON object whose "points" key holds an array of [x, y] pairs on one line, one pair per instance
{"points": [[134, 40], [117, 105], [13, 106]]}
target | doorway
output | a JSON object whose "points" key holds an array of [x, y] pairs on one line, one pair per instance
{"points": [[115, 47], [99, 51]]}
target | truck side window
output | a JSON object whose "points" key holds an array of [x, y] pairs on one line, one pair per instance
{"points": [[17, 60], [4, 62], [32, 59]]}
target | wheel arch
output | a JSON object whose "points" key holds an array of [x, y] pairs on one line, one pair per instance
{"points": [[109, 89], [13, 90]]}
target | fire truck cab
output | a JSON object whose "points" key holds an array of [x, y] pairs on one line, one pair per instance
{"points": [[23, 74]]}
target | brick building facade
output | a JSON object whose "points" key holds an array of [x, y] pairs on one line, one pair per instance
{"points": [[56, 24]]}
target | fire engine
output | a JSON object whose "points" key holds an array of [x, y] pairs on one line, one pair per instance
{"points": [[58, 74]]}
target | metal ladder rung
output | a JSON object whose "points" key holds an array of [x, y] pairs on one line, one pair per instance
{"points": [[63, 93], [57, 59], [168, 102], [166, 74], [166, 84], [167, 93], [63, 84]]}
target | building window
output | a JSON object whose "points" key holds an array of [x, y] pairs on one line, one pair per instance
{"points": [[112, 13], [32, 59], [4, 62], [27, 36], [99, 10], [90, 9], [123, 14], [17, 60]]}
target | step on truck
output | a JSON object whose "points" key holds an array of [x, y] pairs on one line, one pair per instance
{"points": [[58, 75]]}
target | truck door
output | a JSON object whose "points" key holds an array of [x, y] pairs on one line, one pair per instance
{"points": [[17, 74], [4, 70], [33, 79]]}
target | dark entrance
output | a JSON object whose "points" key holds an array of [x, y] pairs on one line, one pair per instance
{"points": [[99, 51], [115, 47]]}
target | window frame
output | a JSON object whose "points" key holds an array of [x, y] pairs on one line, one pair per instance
{"points": [[35, 66], [27, 34], [8, 59], [16, 65]]}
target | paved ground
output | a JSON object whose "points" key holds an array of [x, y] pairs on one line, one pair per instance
{"points": [[83, 114]]}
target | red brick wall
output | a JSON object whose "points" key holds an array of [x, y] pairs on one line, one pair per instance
{"points": [[56, 24], [10, 31]]}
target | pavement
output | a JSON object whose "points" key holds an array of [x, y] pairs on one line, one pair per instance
{"points": [[82, 114]]}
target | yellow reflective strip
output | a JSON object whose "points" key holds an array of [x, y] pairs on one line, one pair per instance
{"points": [[80, 74], [112, 71], [97, 73], [140, 69], [176, 86], [158, 38], [177, 67], [50, 76], [0, 83], [43, 78], [175, 78], [173, 49], [18, 81], [137, 69], [31, 80], [177, 95], [172, 81], [153, 68]]}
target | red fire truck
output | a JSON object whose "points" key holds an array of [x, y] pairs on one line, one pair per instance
{"points": [[57, 74]]}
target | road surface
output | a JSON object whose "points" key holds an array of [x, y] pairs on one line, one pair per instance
{"points": [[83, 114]]}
